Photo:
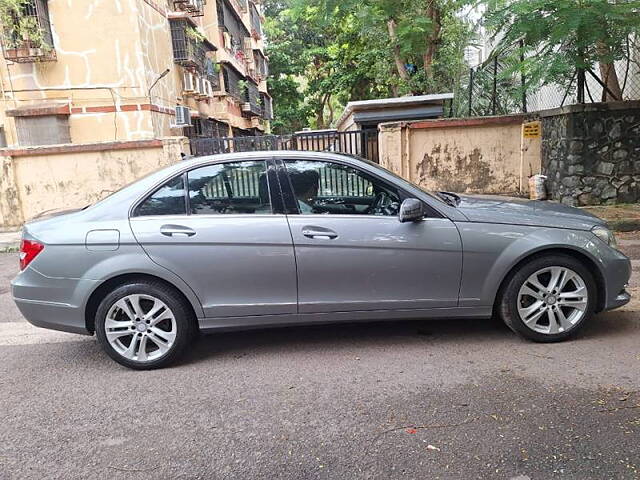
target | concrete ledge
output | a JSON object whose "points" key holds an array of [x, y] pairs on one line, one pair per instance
{"points": [[10, 241], [591, 107], [82, 147], [39, 110], [460, 122]]}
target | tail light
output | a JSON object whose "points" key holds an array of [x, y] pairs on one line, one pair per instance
{"points": [[29, 250]]}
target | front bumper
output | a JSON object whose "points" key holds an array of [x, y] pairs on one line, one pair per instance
{"points": [[616, 272], [55, 303]]}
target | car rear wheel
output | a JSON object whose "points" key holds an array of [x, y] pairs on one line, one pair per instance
{"points": [[144, 325], [548, 299]]}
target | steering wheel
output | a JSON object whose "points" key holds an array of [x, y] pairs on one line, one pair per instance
{"points": [[379, 201]]}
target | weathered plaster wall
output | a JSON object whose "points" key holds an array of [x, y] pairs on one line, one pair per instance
{"points": [[484, 155], [99, 63], [591, 153], [38, 179], [109, 53]]}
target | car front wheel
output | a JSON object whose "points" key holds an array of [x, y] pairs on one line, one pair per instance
{"points": [[144, 325], [548, 299]]}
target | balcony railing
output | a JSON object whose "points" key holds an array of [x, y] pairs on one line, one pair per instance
{"points": [[207, 128], [27, 36], [188, 49], [232, 81], [256, 27], [251, 106]]}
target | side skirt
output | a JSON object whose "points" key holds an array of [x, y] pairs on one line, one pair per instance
{"points": [[267, 321]]}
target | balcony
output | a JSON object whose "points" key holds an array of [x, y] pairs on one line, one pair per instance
{"points": [[189, 46], [27, 37], [251, 106], [232, 82], [267, 106], [234, 33], [256, 27], [262, 65], [195, 8]]}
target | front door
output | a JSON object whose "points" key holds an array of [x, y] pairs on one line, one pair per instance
{"points": [[223, 238], [353, 254]]}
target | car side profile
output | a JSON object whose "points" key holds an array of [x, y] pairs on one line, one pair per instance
{"points": [[262, 239]]}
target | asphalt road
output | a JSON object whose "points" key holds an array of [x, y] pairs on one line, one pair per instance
{"points": [[440, 399]]}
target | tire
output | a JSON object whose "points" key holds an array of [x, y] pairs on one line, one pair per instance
{"points": [[548, 314], [152, 314]]}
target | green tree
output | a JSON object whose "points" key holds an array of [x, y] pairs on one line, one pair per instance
{"points": [[561, 36], [331, 52]]}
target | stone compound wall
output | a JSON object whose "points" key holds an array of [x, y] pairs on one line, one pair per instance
{"points": [[591, 153]]}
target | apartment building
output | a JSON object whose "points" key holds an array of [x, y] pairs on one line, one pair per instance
{"points": [[92, 71]]}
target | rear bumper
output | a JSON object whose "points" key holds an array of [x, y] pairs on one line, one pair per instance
{"points": [[55, 303], [55, 316]]}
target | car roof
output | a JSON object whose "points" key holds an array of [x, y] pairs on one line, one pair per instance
{"points": [[261, 154]]}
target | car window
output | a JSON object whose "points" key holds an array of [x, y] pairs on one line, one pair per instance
{"points": [[169, 199], [229, 188], [331, 188]]}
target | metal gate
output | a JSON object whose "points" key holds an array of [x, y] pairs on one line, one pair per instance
{"points": [[358, 142]]}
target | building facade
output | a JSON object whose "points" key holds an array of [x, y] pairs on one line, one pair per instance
{"points": [[133, 70]]}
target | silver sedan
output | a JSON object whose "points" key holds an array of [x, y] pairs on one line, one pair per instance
{"points": [[267, 239]]}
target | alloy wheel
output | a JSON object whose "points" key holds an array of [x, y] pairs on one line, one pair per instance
{"points": [[140, 327], [553, 300]]}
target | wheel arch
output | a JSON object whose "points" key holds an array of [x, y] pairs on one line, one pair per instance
{"points": [[581, 256], [107, 286]]}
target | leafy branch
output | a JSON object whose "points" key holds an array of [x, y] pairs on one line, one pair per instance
{"points": [[20, 29]]}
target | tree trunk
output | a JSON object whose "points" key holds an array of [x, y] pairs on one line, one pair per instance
{"points": [[330, 119], [391, 27], [320, 122], [609, 77], [433, 39]]}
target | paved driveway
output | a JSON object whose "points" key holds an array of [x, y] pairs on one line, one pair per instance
{"points": [[448, 399]]}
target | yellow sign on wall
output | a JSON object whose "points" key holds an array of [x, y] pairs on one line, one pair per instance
{"points": [[531, 129]]}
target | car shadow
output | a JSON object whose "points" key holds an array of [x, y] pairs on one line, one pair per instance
{"points": [[363, 335], [351, 336]]}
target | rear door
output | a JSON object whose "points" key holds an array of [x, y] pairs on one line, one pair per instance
{"points": [[353, 254], [227, 238]]}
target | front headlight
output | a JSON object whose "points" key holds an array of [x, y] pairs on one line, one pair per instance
{"points": [[606, 235]]}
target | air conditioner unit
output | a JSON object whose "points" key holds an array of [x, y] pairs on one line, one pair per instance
{"points": [[198, 86], [246, 107], [183, 116], [188, 83]]}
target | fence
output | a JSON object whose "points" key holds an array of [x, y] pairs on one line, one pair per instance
{"points": [[498, 87], [358, 142]]}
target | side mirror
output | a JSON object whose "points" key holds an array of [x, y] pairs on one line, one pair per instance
{"points": [[411, 210]]}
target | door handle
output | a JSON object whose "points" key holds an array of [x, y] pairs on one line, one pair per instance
{"points": [[319, 233], [171, 230]]}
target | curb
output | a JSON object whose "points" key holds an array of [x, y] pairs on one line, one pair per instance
{"points": [[625, 225]]}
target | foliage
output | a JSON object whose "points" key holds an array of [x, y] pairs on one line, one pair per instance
{"points": [[194, 34], [325, 53], [560, 36], [243, 87], [20, 30]]}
